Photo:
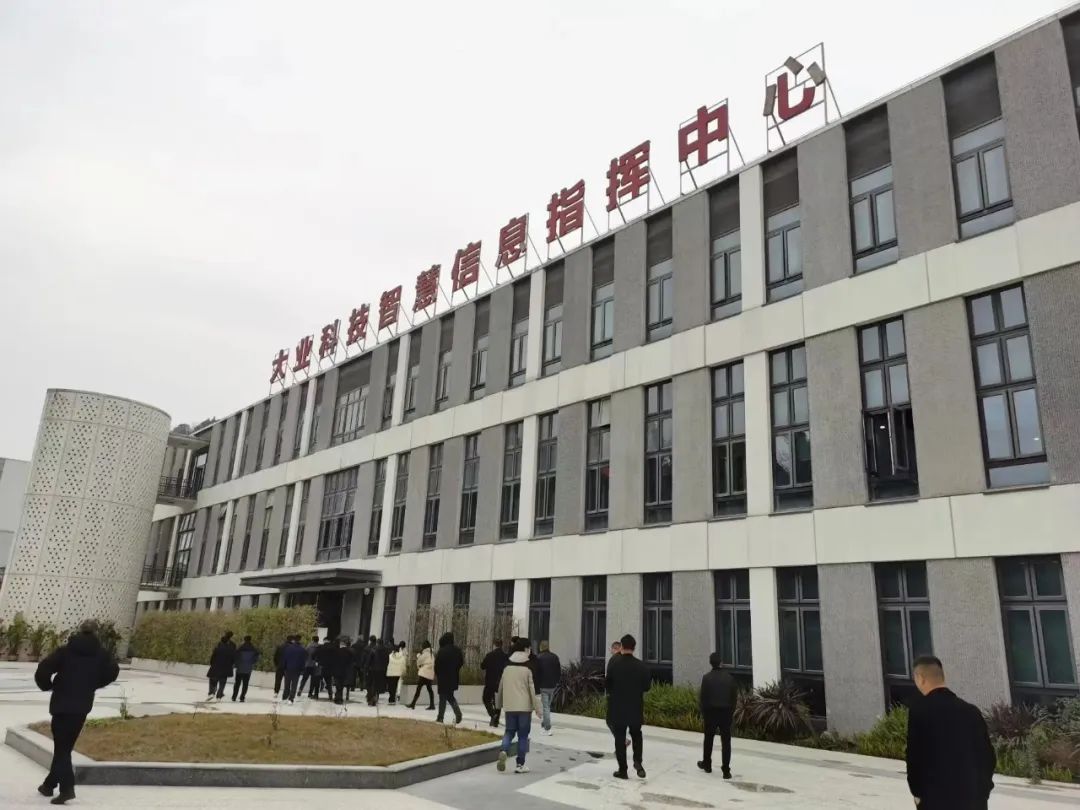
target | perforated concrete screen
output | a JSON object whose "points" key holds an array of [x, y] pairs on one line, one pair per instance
{"points": [[86, 515]]}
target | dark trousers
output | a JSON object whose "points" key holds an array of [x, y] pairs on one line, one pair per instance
{"points": [[291, 680], [619, 730], [217, 686], [391, 687], [312, 674], [420, 684], [328, 685], [65, 731], [279, 674], [489, 704], [342, 688], [718, 721], [374, 687], [444, 699], [240, 685]]}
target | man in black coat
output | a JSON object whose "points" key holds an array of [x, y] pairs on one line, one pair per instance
{"points": [[293, 659], [222, 662], [72, 673], [342, 669], [628, 680], [950, 759], [359, 651], [448, 663], [548, 673], [375, 669], [324, 657], [719, 691], [279, 664], [493, 665]]}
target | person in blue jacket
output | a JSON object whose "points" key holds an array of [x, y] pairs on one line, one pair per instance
{"points": [[294, 658], [246, 656]]}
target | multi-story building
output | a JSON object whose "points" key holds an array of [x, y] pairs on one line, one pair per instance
{"points": [[819, 416], [13, 477]]}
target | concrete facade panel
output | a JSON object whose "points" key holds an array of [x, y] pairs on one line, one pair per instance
{"points": [[244, 507], [566, 619], [922, 169], [624, 608], [404, 613], [630, 287], [429, 364], [415, 499], [450, 492], [577, 307], [501, 324], [210, 473], [1042, 146], [328, 384], [693, 626], [380, 360], [691, 250], [482, 610], [293, 422], [1070, 569], [273, 419], [365, 484], [490, 497], [851, 646], [461, 355], [948, 444], [836, 439], [278, 530], [823, 203], [627, 481], [312, 520], [692, 447], [570, 469]]}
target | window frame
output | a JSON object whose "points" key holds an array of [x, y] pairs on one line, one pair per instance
{"points": [[598, 465], [723, 250], [539, 612], [795, 495], [547, 454], [401, 496], [378, 495], [802, 605], [603, 308], [510, 495], [594, 618], [658, 509], [903, 479], [659, 277], [731, 502], [975, 144], [731, 594], [433, 499], [339, 497], [657, 623], [470, 486], [868, 188], [783, 224], [283, 541], [519, 347], [301, 529], [900, 687], [350, 415]]}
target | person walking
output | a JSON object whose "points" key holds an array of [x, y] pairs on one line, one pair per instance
{"points": [[246, 656], [341, 669], [359, 651], [294, 659], [425, 675], [279, 665], [395, 670], [448, 663], [311, 670], [222, 661], [73, 673], [719, 691], [950, 759], [628, 680], [324, 655], [548, 673], [493, 665], [516, 695], [378, 659]]}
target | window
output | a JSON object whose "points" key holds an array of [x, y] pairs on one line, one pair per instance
{"points": [[413, 375], [335, 526], [198, 470], [185, 538], [597, 459], [783, 237], [302, 526], [539, 611], [800, 633], [298, 434], [1005, 380], [283, 541], [446, 349], [350, 413], [388, 390], [511, 486], [729, 441], [657, 625], [732, 590], [792, 480], [504, 610], [431, 507], [232, 448], [594, 623], [478, 372], [888, 429], [603, 299], [470, 485], [660, 279], [265, 539], [203, 568], [223, 439], [904, 615], [658, 436], [316, 412], [275, 600], [1036, 620], [245, 547], [1071, 29], [280, 437], [389, 614], [246, 440], [401, 493], [725, 275], [980, 170], [236, 603], [546, 461], [869, 166], [519, 337], [262, 437], [423, 596], [460, 619], [553, 308], [377, 495]]}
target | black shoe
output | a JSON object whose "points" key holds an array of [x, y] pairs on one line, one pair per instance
{"points": [[621, 775], [45, 790], [705, 766], [234, 700], [727, 773], [63, 798], [639, 771], [241, 700], [430, 708]]}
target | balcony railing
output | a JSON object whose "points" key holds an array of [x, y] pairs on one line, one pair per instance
{"points": [[183, 489], [160, 576]]}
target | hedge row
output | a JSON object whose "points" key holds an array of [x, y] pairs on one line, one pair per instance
{"points": [[188, 637]]}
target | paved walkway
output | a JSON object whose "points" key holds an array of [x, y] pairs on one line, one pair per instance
{"points": [[570, 769]]}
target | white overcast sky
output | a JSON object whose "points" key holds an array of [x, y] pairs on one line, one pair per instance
{"points": [[186, 187]]}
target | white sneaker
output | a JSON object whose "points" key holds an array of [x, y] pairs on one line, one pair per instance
{"points": [[547, 732], [521, 769]]}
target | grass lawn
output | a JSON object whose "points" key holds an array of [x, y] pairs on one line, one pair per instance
{"points": [[245, 738]]}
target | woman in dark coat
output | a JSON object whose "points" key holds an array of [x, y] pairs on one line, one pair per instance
{"points": [[448, 663], [222, 662]]}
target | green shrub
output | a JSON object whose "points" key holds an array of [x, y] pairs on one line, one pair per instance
{"points": [[188, 637], [16, 633], [673, 707], [776, 712], [576, 683], [888, 737]]}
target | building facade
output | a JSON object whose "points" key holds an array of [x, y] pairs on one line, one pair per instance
{"points": [[13, 477], [817, 416]]}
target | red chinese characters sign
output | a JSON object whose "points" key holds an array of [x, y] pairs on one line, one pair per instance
{"points": [[389, 304], [427, 289], [628, 176], [303, 354], [708, 126], [513, 241], [358, 322], [280, 366], [466, 266], [328, 341], [566, 211]]}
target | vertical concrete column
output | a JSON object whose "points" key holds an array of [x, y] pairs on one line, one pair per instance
{"points": [[172, 541], [624, 608], [378, 603], [238, 455], [527, 502], [691, 243], [694, 626], [388, 504], [534, 346], [759, 494], [823, 195], [577, 308], [630, 286], [521, 607], [835, 394], [566, 618], [415, 499], [570, 469], [223, 548], [294, 522], [764, 626], [404, 614], [307, 416], [489, 504], [500, 326], [692, 456], [400, 375], [627, 487], [1070, 570], [752, 238]]}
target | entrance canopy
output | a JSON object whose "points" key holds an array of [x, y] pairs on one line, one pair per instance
{"points": [[324, 577]]}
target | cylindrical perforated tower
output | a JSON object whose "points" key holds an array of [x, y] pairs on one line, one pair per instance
{"points": [[86, 516]]}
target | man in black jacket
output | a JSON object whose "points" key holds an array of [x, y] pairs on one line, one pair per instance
{"points": [[548, 671], [950, 759], [628, 680], [324, 658], [378, 656], [222, 663], [72, 673], [493, 665], [719, 691], [279, 664], [448, 663]]}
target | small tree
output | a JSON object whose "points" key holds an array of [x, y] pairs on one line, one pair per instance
{"points": [[16, 634]]}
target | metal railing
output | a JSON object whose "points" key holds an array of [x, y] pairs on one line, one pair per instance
{"points": [[179, 488], [160, 576]]}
